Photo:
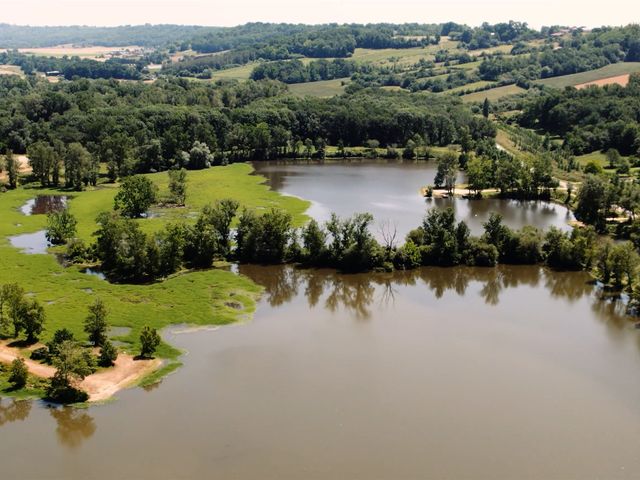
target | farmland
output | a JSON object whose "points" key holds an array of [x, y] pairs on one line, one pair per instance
{"points": [[322, 89], [493, 94], [612, 70]]}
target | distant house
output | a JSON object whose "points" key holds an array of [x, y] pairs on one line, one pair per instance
{"points": [[53, 73]]}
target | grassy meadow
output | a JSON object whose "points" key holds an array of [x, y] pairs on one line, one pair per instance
{"points": [[492, 94], [322, 88], [612, 70], [210, 297]]}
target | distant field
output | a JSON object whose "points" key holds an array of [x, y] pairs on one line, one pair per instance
{"points": [[404, 56], [468, 86], [237, 73], [612, 70], [498, 49], [11, 70], [82, 52], [493, 94], [622, 80], [323, 88]]}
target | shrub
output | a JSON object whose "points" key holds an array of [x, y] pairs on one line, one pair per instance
{"points": [[18, 373]]}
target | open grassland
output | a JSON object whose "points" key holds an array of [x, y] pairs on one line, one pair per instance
{"points": [[613, 70], [242, 72], [469, 86], [493, 94], [210, 297], [401, 56], [95, 52], [11, 70], [323, 88]]}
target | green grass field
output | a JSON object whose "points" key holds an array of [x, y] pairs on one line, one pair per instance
{"points": [[199, 298], [242, 72], [591, 76], [323, 88], [469, 86], [493, 94]]}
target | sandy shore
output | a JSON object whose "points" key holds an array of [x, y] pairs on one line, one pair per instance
{"points": [[101, 385]]}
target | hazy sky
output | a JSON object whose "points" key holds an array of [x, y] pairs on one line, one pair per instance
{"points": [[233, 12]]}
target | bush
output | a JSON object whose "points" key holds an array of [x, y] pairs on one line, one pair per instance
{"points": [[150, 340], [18, 373], [60, 391], [408, 256], [108, 354], [40, 354]]}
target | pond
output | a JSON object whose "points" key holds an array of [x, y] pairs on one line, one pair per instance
{"points": [[31, 243], [390, 190], [43, 204], [513, 372]]}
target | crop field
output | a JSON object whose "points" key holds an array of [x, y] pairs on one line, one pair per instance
{"points": [[401, 56], [613, 70], [493, 94], [242, 72], [621, 80], [322, 88], [469, 86], [95, 53]]}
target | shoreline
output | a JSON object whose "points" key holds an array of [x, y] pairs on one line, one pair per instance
{"points": [[101, 385]]}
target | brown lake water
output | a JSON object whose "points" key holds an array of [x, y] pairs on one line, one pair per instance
{"points": [[460, 373], [513, 372], [390, 190]]}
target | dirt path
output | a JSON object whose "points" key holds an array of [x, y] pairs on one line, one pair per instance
{"points": [[100, 386]]}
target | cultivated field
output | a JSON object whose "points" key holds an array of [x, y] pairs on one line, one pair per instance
{"points": [[96, 53], [613, 70], [237, 73], [323, 88], [621, 80], [493, 94]]}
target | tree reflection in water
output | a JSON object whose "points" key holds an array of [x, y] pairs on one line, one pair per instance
{"points": [[357, 293], [74, 425], [14, 410]]}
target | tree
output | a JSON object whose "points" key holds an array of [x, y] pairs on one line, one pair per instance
{"points": [[18, 373], [593, 201], [486, 108], [12, 167], [479, 174], [73, 363], [78, 167], [447, 172], [11, 299], [32, 318], [178, 186], [200, 156], [613, 157], [61, 227], [108, 354], [59, 337], [149, 340], [43, 161], [137, 193], [95, 325]]}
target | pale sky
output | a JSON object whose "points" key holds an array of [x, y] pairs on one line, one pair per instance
{"points": [[233, 12]]}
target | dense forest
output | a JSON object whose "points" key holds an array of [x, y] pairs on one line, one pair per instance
{"points": [[149, 127], [589, 119]]}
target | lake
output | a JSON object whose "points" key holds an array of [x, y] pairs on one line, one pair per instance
{"points": [[449, 373], [390, 191]]}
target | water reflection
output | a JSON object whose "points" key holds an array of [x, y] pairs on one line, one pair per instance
{"points": [[74, 425], [356, 293], [44, 204], [14, 410], [390, 190], [31, 243]]}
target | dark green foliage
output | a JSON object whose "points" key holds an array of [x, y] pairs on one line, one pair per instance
{"points": [[294, 71], [18, 373], [593, 201], [135, 196], [108, 354], [11, 167], [150, 340], [61, 227], [80, 168], [59, 337], [95, 325], [178, 186], [263, 238], [73, 363]]}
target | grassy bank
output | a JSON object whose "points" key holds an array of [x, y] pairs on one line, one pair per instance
{"points": [[211, 297]]}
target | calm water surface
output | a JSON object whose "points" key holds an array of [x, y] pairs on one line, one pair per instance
{"points": [[458, 373], [390, 190]]}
